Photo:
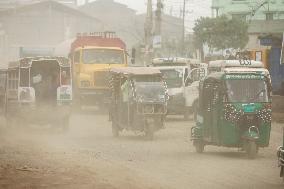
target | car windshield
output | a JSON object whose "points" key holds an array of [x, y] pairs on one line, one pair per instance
{"points": [[247, 91], [150, 91], [173, 77], [102, 56]]}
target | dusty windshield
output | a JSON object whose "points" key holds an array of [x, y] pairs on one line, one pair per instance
{"points": [[173, 77], [150, 91], [247, 91], [102, 56]]}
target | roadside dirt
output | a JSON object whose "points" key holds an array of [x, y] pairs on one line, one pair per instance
{"points": [[89, 157]]}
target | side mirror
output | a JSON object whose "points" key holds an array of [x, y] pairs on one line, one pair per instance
{"points": [[133, 55]]}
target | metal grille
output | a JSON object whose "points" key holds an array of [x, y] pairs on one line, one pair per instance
{"points": [[101, 78]]}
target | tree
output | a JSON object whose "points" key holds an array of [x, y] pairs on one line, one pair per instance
{"points": [[220, 33]]}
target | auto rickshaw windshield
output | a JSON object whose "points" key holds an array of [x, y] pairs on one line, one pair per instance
{"points": [[150, 91], [247, 91]]}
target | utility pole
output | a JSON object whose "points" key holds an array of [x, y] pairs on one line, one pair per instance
{"points": [[183, 29], [148, 27], [158, 21], [157, 40]]}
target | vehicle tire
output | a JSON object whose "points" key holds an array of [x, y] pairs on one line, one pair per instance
{"points": [[199, 146], [251, 149], [115, 129], [149, 132]]}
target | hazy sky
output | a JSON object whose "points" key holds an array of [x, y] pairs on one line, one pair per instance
{"points": [[194, 8]]}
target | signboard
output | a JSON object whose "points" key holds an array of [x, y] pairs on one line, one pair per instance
{"points": [[270, 41], [266, 41], [243, 76]]}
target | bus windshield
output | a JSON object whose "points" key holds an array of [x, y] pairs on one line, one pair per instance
{"points": [[247, 91], [102, 56]]}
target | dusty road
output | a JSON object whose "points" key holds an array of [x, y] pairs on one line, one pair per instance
{"points": [[89, 157]]}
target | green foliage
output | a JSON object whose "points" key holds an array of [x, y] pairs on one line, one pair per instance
{"points": [[221, 33]]}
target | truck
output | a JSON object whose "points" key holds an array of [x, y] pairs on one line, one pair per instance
{"points": [[182, 79], [92, 56]]}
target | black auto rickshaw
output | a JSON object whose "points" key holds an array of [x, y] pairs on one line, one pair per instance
{"points": [[39, 91], [280, 155], [139, 100]]}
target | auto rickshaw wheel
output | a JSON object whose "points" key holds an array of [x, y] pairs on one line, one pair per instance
{"points": [[115, 129], [199, 146], [251, 149]]}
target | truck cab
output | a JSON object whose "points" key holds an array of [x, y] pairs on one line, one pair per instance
{"points": [[92, 58]]}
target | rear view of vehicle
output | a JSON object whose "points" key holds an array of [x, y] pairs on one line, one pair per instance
{"points": [[39, 91], [139, 100]]}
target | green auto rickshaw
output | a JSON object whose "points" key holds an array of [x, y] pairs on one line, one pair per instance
{"points": [[234, 110]]}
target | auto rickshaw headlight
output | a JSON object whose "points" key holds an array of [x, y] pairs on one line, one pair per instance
{"points": [[232, 114], [264, 114]]}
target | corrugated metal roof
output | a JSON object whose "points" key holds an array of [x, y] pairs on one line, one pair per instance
{"points": [[26, 62]]}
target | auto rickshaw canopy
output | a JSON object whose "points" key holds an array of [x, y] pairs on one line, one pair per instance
{"points": [[27, 62]]}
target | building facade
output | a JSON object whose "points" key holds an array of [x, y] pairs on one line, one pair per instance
{"points": [[265, 19], [43, 24], [249, 9]]}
